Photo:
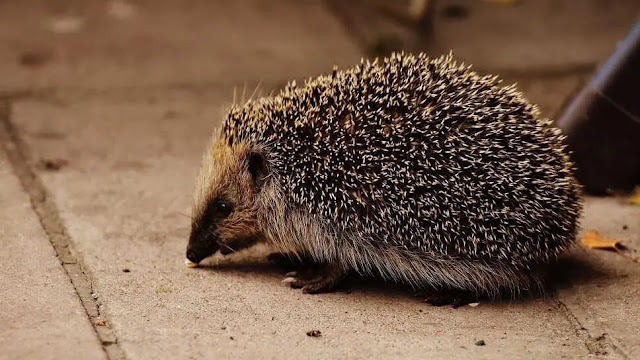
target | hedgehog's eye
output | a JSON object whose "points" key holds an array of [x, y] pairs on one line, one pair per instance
{"points": [[221, 209]]}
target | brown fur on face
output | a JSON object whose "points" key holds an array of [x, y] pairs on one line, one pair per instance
{"points": [[229, 174]]}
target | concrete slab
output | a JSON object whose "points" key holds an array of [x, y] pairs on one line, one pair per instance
{"points": [[136, 89], [527, 37], [76, 43], [534, 36], [40, 313], [603, 291], [124, 196]]}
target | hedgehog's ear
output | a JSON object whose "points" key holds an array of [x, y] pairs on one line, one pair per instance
{"points": [[257, 166]]}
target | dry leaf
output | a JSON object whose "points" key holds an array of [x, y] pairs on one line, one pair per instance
{"points": [[593, 240], [634, 199]]}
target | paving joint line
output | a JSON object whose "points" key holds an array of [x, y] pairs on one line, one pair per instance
{"points": [[196, 88], [600, 345], [48, 215]]}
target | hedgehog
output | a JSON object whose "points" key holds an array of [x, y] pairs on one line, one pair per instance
{"points": [[417, 170]]}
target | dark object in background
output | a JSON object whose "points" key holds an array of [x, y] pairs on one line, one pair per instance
{"points": [[603, 122], [383, 26]]}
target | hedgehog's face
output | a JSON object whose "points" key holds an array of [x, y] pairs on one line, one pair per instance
{"points": [[225, 212]]}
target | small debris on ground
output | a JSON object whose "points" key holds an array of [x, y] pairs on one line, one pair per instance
{"points": [[100, 322], [52, 164], [474, 304], [480, 343], [314, 333], [126, 270], [163, 290], [34, 58], [190, 264], [231, 338]]}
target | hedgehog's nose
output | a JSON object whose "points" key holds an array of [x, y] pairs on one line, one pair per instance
{"points": [[195, 255], [192, 259], [196, 252], [201, 245]]}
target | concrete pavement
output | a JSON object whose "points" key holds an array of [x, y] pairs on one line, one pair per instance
{"points": [[165, 43], [602, 290], [120, 216], [40, 312], [112, 126]]}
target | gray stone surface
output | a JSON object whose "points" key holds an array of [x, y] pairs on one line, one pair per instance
{"points": [[40, 313], [523, 36], [535, 36], [604, 287], [166, 42], [126, 103]]}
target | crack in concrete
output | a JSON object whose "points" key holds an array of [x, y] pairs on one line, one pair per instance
{"points": [[44, 206], [600, 345]]}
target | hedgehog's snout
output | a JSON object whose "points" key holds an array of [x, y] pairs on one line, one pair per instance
{"points": [[193, 257], [200, 247]]}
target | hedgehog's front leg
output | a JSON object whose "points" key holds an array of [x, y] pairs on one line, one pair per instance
{"points": [[316, 278]]}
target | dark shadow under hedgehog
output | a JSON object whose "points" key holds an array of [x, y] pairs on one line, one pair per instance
{"points": [[413, 169]]}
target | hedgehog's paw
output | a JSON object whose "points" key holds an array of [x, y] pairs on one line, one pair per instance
{"points": [[321, 279]]}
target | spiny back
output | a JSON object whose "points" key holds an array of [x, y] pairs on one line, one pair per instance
{"points": [[419, 153]]}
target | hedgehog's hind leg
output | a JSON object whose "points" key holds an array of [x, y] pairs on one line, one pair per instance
{"points": [[316, 278]]}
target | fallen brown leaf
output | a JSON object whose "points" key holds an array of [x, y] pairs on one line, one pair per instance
{"points": [[593, 240], [634, 199]]}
